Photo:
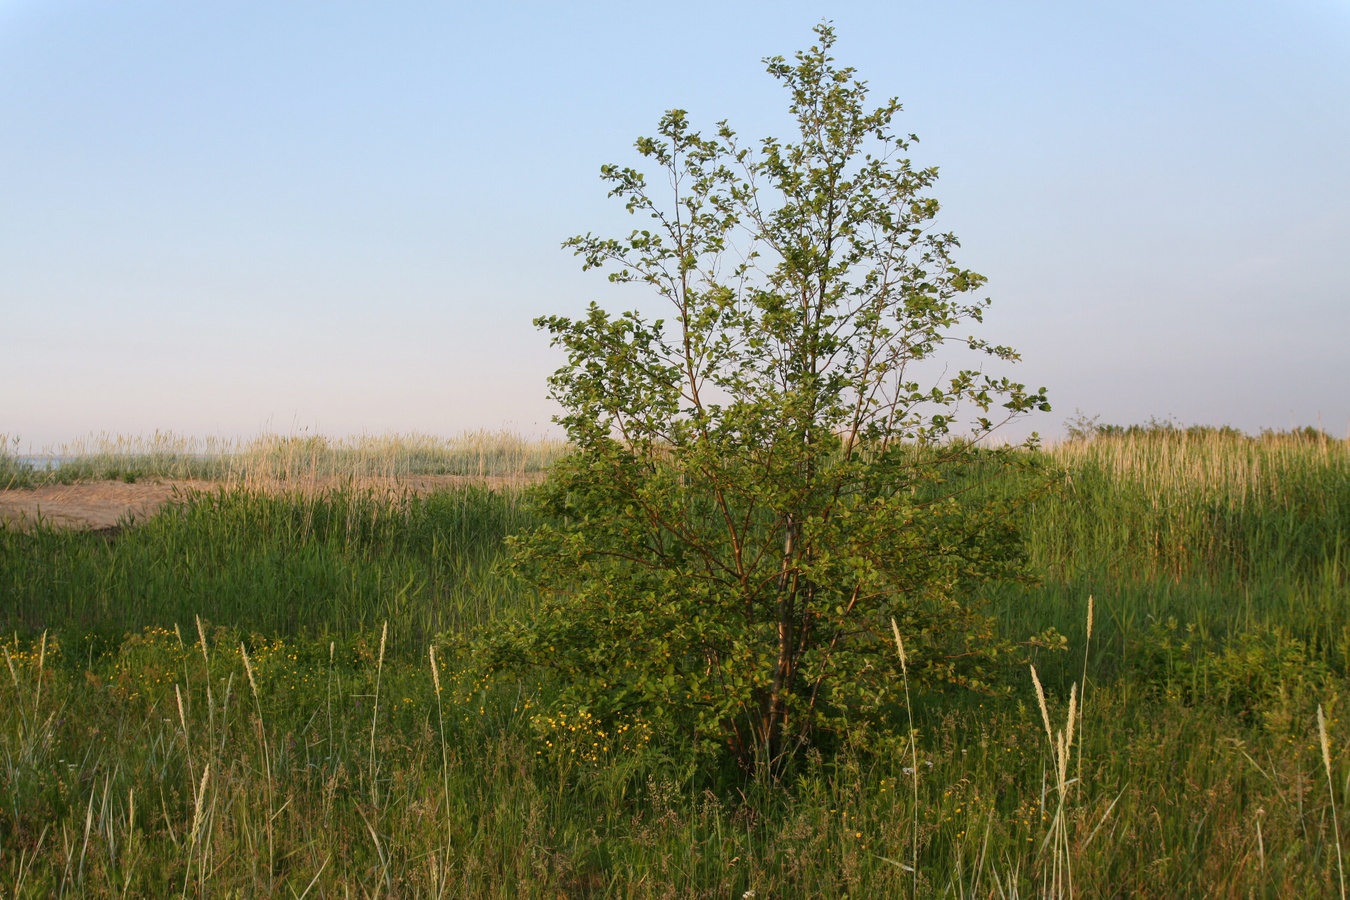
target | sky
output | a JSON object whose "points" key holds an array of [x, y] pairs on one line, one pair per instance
{"points": [[233, 218]]}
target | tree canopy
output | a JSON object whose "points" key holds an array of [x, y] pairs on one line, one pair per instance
{"points": [[768, 476]]}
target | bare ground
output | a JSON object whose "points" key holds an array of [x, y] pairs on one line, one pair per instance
{"points": [[101, 505]]}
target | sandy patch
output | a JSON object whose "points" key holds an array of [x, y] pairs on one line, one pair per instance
{"points": [[106, 504]]}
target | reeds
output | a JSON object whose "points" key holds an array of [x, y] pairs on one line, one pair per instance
{"points": [[1226, 532], [339, 561], [272, 458], [1177, 506]]}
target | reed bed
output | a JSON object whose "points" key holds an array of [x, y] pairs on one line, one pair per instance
{"points": [[295, 563], [1213, 505], [263, 694], [1203, 535], [1171, 463], [278, 458]]}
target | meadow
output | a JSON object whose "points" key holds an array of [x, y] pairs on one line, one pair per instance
{"points": [[269, 691]]}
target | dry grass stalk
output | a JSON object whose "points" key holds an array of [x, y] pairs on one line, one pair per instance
{"points": [[210, 699], [1061, 748], [440, 874], [1087, 647], [267, 764], [375, 716], [198, 827], [1331, 792], [42, 661], [914, 756]]}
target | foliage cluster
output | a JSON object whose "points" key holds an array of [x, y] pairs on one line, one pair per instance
{"points": [[761, 483]]}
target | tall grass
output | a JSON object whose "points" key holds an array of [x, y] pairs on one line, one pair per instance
{"points": [[149, 773], [296, 749], [334, 562], [1215, 506], [14, 472], [274, 457], [1214, 532]]}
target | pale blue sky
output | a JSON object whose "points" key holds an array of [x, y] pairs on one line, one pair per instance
{"points": [[240, 216]]}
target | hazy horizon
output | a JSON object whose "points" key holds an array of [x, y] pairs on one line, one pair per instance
{"points": [[340, 219]]}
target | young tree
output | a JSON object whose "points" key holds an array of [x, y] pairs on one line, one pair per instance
{"points": [[762, 482]]}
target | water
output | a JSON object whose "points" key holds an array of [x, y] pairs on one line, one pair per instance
{"points": [[43, 462]]}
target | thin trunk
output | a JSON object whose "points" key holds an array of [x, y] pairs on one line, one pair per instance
{"points": [[776, 715]]}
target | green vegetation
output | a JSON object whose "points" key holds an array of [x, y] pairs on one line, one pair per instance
{"points": [[307, 565], [272, 457], [763, 483], [140, 756]]}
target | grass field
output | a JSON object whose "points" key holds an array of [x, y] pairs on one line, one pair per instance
{"points": [[262, 693]]}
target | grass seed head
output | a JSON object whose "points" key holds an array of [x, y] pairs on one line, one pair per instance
{"points": [[1073, 714], [201, 635], [248, 668], [1323, 739], [182, 713], [1040, 698], [899, 644]]}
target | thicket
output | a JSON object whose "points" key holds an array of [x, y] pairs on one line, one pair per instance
{"points": [[761, 485]]}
